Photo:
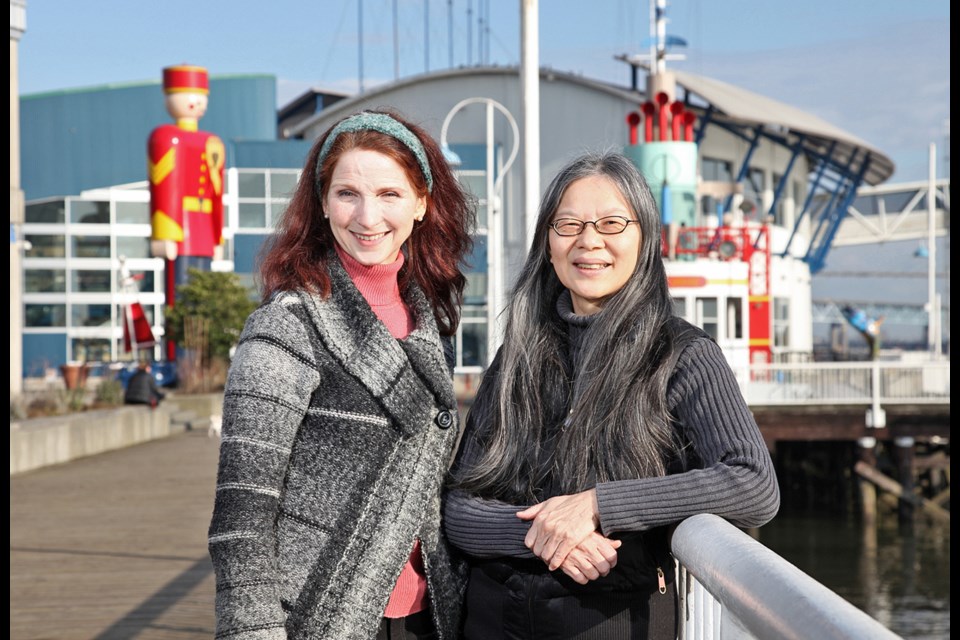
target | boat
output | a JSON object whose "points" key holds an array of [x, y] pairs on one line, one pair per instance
{"points": [[719, 264]]}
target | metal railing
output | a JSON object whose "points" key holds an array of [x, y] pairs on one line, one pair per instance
{"points": [[731, 586], [856, 383]]}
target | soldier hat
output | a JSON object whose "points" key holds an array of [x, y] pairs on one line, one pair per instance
{"points": [[185, 78]]}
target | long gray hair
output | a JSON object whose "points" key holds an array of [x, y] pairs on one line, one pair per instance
{"points": [[618, 423]]}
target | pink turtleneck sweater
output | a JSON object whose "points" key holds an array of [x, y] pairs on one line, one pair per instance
{"points": [[379, 286]]}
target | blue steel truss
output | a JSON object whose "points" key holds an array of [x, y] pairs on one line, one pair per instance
{"points": [[832, 187]]}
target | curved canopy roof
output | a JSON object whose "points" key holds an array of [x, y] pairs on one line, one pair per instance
{"points": [[744, 108], [727, 105]]}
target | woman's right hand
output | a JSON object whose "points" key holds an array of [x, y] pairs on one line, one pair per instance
{"points": [[593, 558]]}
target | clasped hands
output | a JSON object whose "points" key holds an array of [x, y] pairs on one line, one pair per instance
{"points": [[564, 534]]}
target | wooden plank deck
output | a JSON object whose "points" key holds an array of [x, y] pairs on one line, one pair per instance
{"points": [[114, 545]]}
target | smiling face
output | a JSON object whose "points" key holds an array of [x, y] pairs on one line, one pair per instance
{"points": [[594, 266], [371, 205]]}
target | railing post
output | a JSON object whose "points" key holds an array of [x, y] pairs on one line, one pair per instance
{"points": [[876, 416]]}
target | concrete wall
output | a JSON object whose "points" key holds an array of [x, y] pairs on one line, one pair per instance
{"points": [[41, 442]]}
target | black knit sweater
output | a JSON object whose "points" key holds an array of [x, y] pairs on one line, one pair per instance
{"points": [[733, 476]]}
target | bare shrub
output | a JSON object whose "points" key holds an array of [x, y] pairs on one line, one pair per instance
{"points": [[109, 393]]}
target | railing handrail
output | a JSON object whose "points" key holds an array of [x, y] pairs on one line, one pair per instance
{"points": [[757, 591], [854, 364], [873, 383]]}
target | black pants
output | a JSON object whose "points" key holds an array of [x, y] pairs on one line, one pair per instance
{"points": [[416, 626], [535, 611]]}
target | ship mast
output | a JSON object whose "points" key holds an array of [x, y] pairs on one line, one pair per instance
{"points": [[659, 79]]}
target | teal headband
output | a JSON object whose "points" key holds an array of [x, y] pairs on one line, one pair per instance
{"points": [[381, 123]]}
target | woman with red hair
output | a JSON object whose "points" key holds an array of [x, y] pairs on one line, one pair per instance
{"points": [[339, 416]]}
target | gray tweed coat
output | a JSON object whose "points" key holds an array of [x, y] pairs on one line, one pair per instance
{"points": [[336, 439]]}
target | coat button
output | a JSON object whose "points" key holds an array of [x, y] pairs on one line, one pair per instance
{"points": [[444, 419]]}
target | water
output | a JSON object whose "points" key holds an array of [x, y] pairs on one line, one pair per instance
{"points": [[898, 576]]}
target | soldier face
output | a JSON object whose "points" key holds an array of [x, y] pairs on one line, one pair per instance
{"points": [[372, 206], [184, 104]]}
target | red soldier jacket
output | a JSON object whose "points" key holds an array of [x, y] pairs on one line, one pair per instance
{"points": [[186, 188]]}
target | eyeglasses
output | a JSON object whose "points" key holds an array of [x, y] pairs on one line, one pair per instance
{"points": [[608, 226]]}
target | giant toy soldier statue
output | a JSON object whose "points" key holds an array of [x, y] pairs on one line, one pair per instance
{"points": [[185, 166]]}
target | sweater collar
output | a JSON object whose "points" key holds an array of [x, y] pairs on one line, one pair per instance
{"points": [[577, 325], [407, 376], [378, 282], [565, 309]]}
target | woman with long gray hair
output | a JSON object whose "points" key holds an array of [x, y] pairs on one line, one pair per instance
{"points": [[603, 421]]}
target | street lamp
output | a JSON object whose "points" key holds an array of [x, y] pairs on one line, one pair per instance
{"points": [[933, 307], [494, 188]]}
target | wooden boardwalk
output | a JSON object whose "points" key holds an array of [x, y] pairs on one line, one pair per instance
{"points": [[115, 545]]}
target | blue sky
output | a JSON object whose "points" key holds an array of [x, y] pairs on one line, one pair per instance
{"points": [[879, 69]]}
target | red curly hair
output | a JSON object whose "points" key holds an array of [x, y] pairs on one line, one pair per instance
{"points": [[296, 255]]}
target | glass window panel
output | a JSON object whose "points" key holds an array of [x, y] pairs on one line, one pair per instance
{"points": [[133, 246], [45, 315], [477, 262], [91, 246], [475, 183], [91, 349], [45, 246], [133, 213], [476, 290], [720, 170], [145, 283], [473, 311], [779, 210], [473, 344], [45, 280], [276, 213], [753, 188], [680, 307], [710, 206], [90, 315], [781, 322], [251, 185], [734, 318], [282, 185], [90, 281], [707, 315], [228, 251], [86, 212], [252, 215], [46, 212], [125, 356]]}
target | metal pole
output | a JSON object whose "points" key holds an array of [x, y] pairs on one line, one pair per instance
{"points": [[469, 32], [530, 91], [933, 338], [450, 30], [493, 244], [494, 188], [360, 41], [396, 44]]}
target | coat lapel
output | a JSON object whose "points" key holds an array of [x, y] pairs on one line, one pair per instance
{"points": [[408, 377]]}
